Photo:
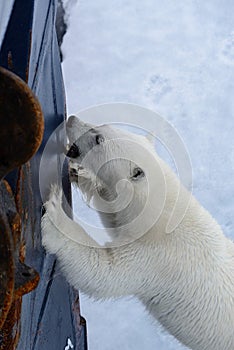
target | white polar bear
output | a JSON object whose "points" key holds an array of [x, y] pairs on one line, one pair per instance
{"points": [[185, 278]]}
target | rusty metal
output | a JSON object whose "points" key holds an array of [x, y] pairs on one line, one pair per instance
{"points": [[21, 133], [16, 278], [6, 268], [21, 122]]}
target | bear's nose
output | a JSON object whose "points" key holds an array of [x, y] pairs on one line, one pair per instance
{"points": [[74, 151]]}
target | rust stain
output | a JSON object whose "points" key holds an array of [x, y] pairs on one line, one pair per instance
{"points": [[13, 218], [6, 269], [10, 61], [28, 287], [22, 251], [11, 331], [18, 191]]}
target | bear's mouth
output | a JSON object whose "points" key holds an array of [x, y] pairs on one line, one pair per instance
{"points": [[75, 171], [73, 175], [85, 180], [82, 177]]}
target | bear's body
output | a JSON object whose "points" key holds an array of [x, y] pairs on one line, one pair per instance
{"points": [[184, 278]]}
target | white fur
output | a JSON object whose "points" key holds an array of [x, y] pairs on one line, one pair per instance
{"points": [[185, 279]]}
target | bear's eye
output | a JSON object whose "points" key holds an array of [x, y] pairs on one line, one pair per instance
{"points": [[99, 139], [74, 151], [138, 173]]}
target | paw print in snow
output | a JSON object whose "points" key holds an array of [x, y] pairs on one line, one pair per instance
{"points": [[157, 87], [227, 50]]}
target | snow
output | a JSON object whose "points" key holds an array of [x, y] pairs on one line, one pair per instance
{"points": [[174, 57], [5, 13]]}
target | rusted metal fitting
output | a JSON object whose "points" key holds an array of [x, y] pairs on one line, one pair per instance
{"points": [[21, 122], [16, 278], [21, 132]]}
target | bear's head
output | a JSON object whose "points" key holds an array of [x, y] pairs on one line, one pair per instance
{"points": [[117, 170]]}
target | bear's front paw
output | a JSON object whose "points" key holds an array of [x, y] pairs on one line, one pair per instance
{"points": [[54, 204], [55, 198], [52, 239]]}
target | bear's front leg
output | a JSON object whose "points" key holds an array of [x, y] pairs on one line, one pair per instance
{"points": [[87, 266]]}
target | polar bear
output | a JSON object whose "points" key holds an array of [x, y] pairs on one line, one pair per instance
{"points": [[184, 278]]}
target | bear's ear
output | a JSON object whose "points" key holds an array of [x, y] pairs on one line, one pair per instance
{"points": [[72, 128], [73, 121]]}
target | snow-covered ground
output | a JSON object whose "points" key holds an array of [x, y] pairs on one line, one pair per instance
{"points": [[177, 58]]}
